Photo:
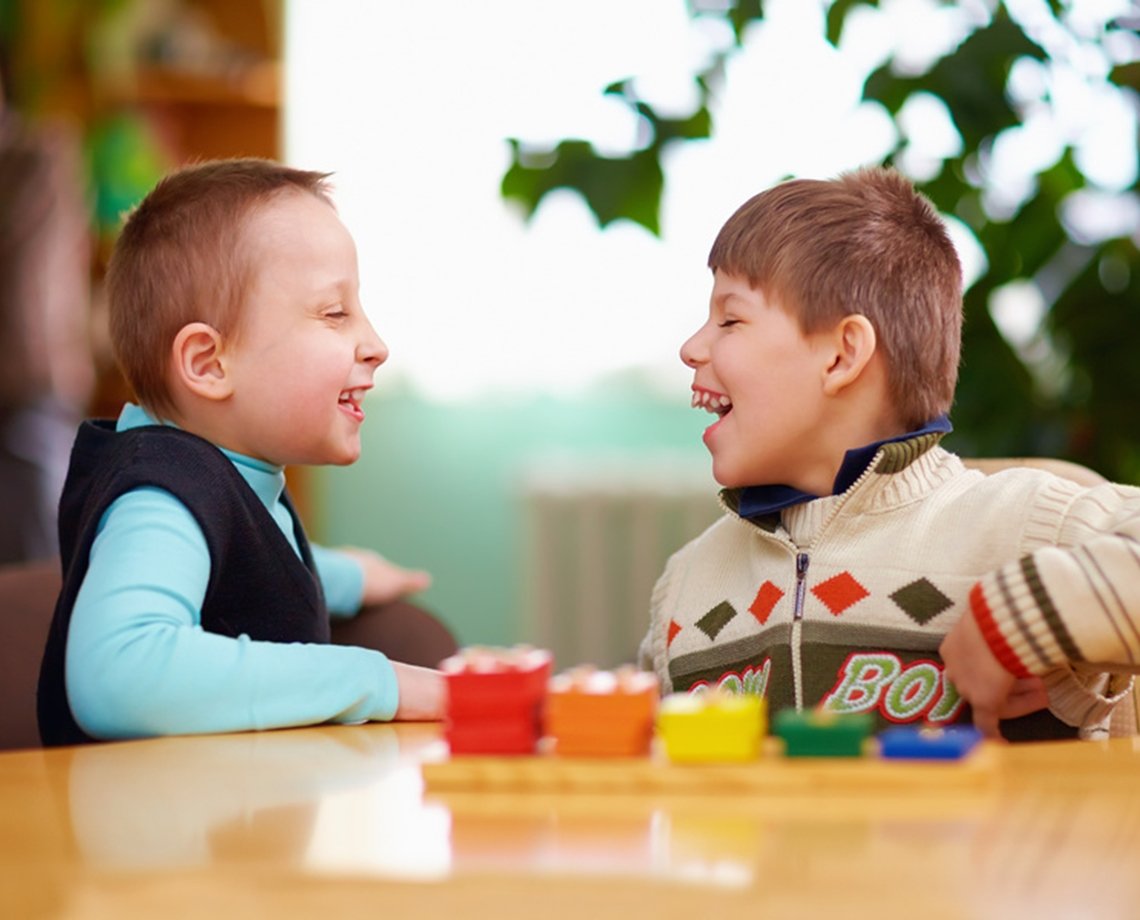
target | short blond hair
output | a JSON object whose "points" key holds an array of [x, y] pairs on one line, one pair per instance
{"points": [[180, 259], [866, 242]]}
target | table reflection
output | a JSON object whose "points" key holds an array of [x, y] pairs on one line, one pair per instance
{"points": [[250, 797], [712, 840], [1052, 827]]}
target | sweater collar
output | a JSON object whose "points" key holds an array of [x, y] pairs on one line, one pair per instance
{"points": [[266, 479], [753, 502]]}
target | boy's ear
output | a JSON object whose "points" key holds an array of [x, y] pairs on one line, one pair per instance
{"points": [[853, 344], [199, 365]]}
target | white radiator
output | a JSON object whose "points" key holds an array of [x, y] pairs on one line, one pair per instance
{"points": [[596, 535]]}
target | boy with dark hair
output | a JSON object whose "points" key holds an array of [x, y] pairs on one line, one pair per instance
{"points": [[192, 600], [852, 541]]}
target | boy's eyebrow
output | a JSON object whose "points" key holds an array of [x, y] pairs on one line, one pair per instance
{"points": [[722, 299], [333, 286]]}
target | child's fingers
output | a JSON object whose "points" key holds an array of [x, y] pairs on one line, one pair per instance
{"points": [[1025, 696], [416, 580], [986, 721]]}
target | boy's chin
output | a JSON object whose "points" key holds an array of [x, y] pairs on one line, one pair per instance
{"points": [[343, 456], [726, 479], [734, 478], [726, 474], [345, 459]]}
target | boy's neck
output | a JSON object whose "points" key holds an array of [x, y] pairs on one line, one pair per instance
{"points": [[761, 500], [205, 426], [856, 459], [860, 414], [843, 433], [206, 420]]}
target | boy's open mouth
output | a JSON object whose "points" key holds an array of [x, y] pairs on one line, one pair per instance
{"points": [[717, 403], [350, 400]]}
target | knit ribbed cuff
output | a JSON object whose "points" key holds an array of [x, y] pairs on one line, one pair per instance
{"points": [[1013, 607], [1086, 699], [994, 637]]}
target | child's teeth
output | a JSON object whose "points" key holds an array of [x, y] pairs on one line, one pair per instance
{"points": [[711, 402]]}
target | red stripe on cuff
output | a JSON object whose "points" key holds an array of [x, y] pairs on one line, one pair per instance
{"points": [[984, 617]]}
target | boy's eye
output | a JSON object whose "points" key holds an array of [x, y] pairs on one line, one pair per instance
{"points": [[728, 322], [335, 313]]}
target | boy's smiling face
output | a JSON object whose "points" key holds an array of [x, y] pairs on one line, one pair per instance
{"points": [[304, 352], [763, 377]]}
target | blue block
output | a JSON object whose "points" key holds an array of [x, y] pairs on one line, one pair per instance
{"points": [[951, 743]]}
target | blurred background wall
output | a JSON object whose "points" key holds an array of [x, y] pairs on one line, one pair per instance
{"points": [[533, 188]]}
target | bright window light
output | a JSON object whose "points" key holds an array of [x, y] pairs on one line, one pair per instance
{"points": [[409, 106]]}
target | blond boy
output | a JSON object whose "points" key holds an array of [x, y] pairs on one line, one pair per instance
{"points": [[852, 542], [192, 600]]}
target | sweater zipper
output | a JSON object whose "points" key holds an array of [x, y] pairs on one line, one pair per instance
{"points": [[797, 625], [802, 562]]}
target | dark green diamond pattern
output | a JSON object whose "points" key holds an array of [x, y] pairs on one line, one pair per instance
{"points": [[716, 619], [921, 601]]}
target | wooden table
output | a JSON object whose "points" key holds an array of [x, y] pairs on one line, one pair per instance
{"points": [[335, 822]]}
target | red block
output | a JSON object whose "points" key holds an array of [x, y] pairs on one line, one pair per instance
{"points": [[495, 700]]}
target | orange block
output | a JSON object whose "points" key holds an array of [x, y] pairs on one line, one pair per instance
{"points": [[601, 713]]}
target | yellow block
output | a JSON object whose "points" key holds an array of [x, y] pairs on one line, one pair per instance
{"points": [[712, 727]]}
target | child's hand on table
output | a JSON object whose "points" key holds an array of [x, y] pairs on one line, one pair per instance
{"points": [[990, 689], [385, 581], [421, 693]]}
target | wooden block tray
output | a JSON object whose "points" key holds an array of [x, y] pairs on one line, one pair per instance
{"points": [[770, 774]]}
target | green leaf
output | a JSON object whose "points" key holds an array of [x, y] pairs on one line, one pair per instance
{"points": [[696, 127], [1126, 75], [1098, 328], [995, 405], [837, 16], [971, 80], [1020, 247], [612, 187], [950, 192], [741, 13], [889, 89]]}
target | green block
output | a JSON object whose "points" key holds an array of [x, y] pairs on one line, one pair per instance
{"points": [[822, 734]]}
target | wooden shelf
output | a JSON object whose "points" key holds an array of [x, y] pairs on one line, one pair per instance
{"points": [[256, 86]]}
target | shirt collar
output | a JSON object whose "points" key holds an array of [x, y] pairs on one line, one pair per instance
{"points": [[266, 479], [757, 501]]}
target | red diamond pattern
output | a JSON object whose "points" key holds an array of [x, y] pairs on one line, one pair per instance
{"points": [[764, 602], [674, 628], [840, 592]]}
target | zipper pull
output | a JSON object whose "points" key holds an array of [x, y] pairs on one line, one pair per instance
{"points": [[801, 584]]}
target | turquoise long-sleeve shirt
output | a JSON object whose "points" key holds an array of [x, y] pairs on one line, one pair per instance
{"points": [[138, 662]]}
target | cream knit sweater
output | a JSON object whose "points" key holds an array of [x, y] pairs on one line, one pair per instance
{"points": [[844, 600]]}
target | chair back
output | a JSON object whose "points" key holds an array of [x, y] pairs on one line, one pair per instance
{"points": [[27, 599], [1066, 469]]}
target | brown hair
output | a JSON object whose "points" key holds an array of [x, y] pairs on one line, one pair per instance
{"points": [[180, 260], [868, 243]]}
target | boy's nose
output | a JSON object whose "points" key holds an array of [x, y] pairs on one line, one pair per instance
{"points": [[693, 350], [372, 349]]}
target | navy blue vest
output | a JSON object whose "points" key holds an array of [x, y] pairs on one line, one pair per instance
{"points": [[258, 586]]}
